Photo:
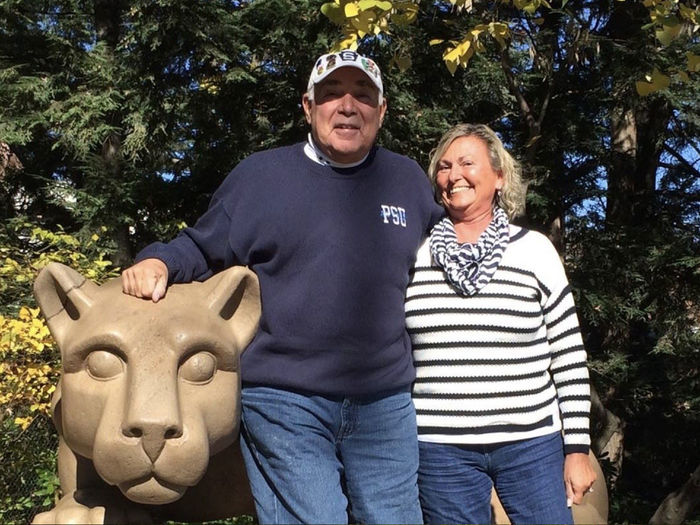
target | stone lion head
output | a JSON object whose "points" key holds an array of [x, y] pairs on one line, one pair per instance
{"points": [[149, 391]]}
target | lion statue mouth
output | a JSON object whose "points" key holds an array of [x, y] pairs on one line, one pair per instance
{"points": [[151, 490], [125, 463]]}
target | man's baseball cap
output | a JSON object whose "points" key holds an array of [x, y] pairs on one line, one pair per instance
{"points": [[326, 64]]}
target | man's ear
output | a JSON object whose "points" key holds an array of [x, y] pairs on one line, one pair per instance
{"points": [[234, 295], [306, 103], [64, 296], [382, 112]]}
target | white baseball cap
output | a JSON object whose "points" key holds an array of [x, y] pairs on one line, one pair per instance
{"points": [[326, 64]]}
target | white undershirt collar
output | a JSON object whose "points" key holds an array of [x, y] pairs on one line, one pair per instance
{"points": [[314, 153]]}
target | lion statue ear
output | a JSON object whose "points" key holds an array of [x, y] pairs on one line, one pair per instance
{"points": [[234, 295], [64, 296]]}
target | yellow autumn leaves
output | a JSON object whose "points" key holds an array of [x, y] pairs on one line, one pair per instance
{"points": [[28, 367], [670, 20], [459, 53], [359, 18], [29, 360], [656, 80]]}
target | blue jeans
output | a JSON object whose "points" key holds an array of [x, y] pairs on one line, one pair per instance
{"points": [[319, 459], [455, 481]]}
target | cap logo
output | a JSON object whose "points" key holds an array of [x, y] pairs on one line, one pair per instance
{"points": [[348, 55], [369, 66]]}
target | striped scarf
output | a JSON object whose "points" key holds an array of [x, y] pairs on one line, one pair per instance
{"points": [[469, 267]]}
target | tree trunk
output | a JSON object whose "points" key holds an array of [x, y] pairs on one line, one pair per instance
{"points": [[637, 136], [607, 436], [8, 160], [637, 130], [9, 165], [678, 504], [108, 21], [108, 15], [123, 256], [623, 165]]}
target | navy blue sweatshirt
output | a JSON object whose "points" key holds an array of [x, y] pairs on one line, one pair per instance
{"points": [[332, 249]]}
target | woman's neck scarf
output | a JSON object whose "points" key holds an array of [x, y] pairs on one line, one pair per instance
{"points": [[469, 267]]}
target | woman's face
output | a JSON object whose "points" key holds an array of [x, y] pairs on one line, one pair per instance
{"points": [[465, 179]]}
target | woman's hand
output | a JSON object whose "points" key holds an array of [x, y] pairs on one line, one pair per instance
{"points": [[578, 477]]}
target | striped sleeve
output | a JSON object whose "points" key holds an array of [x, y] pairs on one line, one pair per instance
{"points": [[568, 367]]}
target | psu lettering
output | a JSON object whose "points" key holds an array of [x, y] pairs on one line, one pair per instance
{"points": [[393, 215]]}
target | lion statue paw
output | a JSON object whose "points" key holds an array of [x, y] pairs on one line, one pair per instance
{"points": [[94, 507]]}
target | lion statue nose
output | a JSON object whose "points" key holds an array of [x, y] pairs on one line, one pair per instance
{"points": [[153, 436]]}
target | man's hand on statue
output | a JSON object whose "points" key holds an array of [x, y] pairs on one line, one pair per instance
{"points": [[147, 279]]}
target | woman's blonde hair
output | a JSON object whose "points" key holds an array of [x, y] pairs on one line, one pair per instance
{"points": [[512, 196]]}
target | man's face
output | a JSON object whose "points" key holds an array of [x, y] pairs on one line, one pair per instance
{"points": [[345, 115]]}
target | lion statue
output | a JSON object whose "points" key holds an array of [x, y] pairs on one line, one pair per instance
{"points": [[147, 407]]}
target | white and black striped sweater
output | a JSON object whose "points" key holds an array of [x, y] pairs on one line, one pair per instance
{"points": [[505, 364]]}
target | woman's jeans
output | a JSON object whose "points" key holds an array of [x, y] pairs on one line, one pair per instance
{"points": [[455, 481], [319, 459]]}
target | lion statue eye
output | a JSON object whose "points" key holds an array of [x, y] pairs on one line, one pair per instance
{"points": [[103, 364], [198, 368]]}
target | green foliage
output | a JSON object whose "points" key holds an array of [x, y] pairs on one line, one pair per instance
{"points": [[127, 119], [29, 482], [239, 520], [140, 111], [637, 293]]}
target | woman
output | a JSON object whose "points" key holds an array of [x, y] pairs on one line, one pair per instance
{"points": [[501, 368]]}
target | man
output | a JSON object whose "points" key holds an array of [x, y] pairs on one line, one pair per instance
{"points": [[331, 228]]}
